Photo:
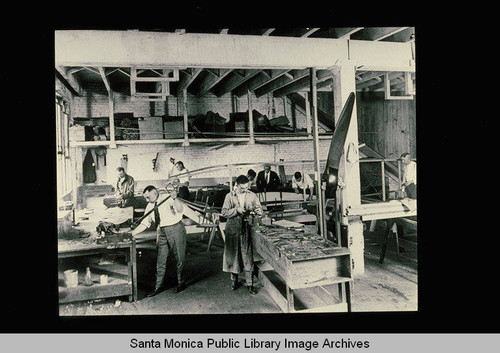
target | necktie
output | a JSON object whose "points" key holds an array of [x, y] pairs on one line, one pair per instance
{"points": [[267, 177], [157, 216]]}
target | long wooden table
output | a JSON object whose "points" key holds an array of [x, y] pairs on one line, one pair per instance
{"points": [[296, 261]]}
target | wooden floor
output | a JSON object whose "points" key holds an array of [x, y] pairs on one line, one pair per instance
{"points": [[391, 286]]}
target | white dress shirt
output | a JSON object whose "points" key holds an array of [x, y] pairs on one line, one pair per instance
{"points": [[410, 173], [304, 183], [168, 214]]}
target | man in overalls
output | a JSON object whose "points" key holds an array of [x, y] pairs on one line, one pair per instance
{"points": [[240, 207]]}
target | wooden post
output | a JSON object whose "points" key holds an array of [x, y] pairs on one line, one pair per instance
{"points": [[350, 195], [308, 114], [382, 170], [112, 142], [250, 118], [186, 125], [314, 111]]}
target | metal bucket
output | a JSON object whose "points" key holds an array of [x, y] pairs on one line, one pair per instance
{"points": [[71, 278]]}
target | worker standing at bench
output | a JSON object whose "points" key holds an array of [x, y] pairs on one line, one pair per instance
{"points": [[170, 233], [239, 207]]}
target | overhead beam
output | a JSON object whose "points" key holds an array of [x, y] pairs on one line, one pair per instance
{"points": [[105, 79], [406, 35], [374, 56], [268, 31], [378, 33], [346, 32], [302, 83], [375, 81], [309, 32], [369, 76], [141, 48], [187, 80], [281, 81], [234, 81], [69, 80], [261, 79], [211, 80]]}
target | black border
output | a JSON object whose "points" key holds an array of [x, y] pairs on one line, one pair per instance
{"points": [[450, 293]]}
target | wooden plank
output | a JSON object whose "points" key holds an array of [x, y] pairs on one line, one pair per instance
{"points": [[334, 308], [318, 272], [124, 48], [266, 278], [96, 291], [313, 299]]}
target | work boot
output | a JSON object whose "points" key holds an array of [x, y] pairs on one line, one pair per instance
{"points": [[153, 293], [252, 290], [181, 287], [235, 285]]}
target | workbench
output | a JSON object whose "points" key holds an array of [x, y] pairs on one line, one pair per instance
{"points": [[122, 280], [122, 276], [302, 270]]}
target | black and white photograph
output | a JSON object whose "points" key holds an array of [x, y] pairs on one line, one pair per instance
{"points": [[207, 171]]}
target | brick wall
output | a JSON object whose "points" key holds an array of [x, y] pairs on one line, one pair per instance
{"points": [[95, 105], [140, 156]]}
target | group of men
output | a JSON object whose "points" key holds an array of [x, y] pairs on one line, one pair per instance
{"points": [[165, 212], [239, 208]]}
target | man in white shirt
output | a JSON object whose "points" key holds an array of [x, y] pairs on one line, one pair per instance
{"points": [[170, 233], [302, 182], [409, 185]]}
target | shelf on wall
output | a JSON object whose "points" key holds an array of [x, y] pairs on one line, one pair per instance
{"points": [[196, 140]]}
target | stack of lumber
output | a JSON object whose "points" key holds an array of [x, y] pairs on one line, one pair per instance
{"points": [[296, 245]]}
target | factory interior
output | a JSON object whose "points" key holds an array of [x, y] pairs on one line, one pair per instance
{"points": [[336, 125]]}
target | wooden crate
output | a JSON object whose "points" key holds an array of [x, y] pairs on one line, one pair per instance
{"points": [[300, 270], [77, 133], [305, 300], [174, 129], [151, 128], [297, 267]]}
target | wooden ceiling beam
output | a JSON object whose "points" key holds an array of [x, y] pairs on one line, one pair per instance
{"points": [[70, 80], [377, 33], [346, 32], [102, 72], [211, 80], [302, 83], [404, 36], [369, 75], [234, 81], [261, 79], [377, 85], [139, 48], [187, 79], [268, 31], [309, 31]]}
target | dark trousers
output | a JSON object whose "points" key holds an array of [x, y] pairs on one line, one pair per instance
{"points": [[170, 238], [411, 191], [184, 193], [238, 249]]}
